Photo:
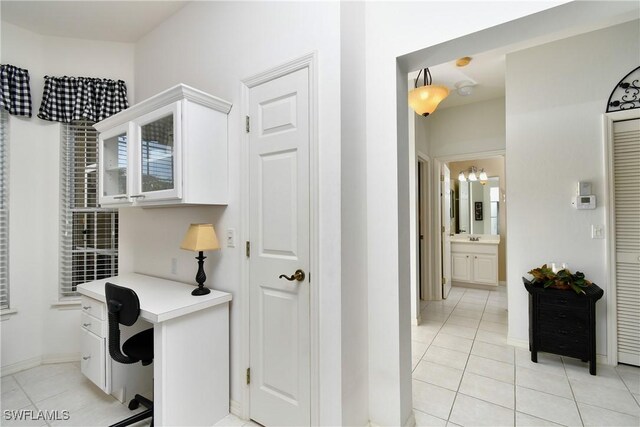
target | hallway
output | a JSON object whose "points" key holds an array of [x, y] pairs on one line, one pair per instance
{"points": [[464, 373]]}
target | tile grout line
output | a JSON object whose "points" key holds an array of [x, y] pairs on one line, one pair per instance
{"points": [[615, 368], [29, 397], [571, 388], [467, 362]]}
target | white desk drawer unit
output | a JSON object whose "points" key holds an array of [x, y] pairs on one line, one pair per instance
{"points": [[93, 325], [189, 375]]}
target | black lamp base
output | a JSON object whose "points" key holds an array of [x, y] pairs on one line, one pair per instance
{"points": [[200, 277], [200, 291]]}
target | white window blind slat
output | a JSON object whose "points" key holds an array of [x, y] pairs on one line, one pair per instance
{"points": [[4, 210], [626, 174], [89, 233]]}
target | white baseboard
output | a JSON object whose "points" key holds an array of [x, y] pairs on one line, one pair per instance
{"points": [[37, 361], [601, 359], [60, 358], [21, 366], [235, 408], [411, 422], [417, 321], [518, 343]]}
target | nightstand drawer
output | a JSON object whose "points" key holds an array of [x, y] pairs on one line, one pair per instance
{"points": [[554, 317], [93, 307], [568, 300], [571, 346], [93, 325]]}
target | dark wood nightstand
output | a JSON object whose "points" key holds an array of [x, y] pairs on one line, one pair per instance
{"points": [[563, 322]]}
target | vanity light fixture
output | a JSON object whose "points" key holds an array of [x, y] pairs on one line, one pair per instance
{"points": [[425, 99], [473, 175]]}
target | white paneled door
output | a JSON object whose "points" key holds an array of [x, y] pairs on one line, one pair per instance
{"points": [[445, 185], [279, 260]]}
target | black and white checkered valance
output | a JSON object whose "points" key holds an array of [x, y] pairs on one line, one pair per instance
{"points": [[66, 99], [16, 93]]}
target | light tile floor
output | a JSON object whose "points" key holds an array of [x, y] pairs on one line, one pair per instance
{"points": [[465, 374], [62, 387]]}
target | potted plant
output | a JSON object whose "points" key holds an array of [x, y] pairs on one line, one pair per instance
{"points": [[563, 279]]}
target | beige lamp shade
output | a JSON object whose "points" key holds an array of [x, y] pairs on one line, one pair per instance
{"points": [[200, 237], [425, 99]]}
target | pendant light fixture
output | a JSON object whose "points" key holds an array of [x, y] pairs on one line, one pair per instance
{"points": [[425, 99]]}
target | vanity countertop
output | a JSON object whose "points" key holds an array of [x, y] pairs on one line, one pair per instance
{"points": [[484, 239]]}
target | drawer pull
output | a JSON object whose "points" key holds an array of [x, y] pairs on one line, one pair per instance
{"points": [[86, 325], [86, 307], [86, 357]]}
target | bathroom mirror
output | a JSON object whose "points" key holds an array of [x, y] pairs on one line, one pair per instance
{"points": [[478, 206]]}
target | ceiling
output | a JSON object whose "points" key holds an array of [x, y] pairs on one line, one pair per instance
{"points": [[485, 72], [118, 21]]}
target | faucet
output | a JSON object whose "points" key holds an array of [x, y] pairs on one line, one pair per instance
{"points": [[474, 239]]}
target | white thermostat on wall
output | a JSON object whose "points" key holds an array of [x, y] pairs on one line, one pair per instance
{"points": [[584, 202]]}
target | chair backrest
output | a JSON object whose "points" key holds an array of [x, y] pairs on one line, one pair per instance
{"points": [[123, 307]]}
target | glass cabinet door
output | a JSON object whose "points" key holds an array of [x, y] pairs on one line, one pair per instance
{"points": [[157, 155], [158, 139], [114, 162]]}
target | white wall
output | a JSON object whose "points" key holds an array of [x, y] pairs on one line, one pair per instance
{"points": [[556, 95], [471, 128], [39, 331], [213, 46], [355, 357], [394, 29]]}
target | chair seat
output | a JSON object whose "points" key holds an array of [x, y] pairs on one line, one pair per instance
{"points": [[140, 346]]}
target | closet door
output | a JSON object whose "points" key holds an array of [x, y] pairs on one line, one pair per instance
{"points": [[626, 177]]}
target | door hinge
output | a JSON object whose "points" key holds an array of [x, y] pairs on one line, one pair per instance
{"points": [[247, 249], [248, 375], [444, 280], [247, 124], [442, 228], [441, 176]]}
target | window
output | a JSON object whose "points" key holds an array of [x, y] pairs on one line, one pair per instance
{"points": [[4, 211], [89, 233]]}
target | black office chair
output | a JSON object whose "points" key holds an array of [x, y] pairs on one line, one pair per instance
{"points": [[124, 308]]}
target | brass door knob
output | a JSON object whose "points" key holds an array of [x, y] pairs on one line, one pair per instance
{"points": [[298, 275]]}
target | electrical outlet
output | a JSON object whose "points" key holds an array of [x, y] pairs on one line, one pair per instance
{"points": [[597, 232], [174, 265], [231, 238]]}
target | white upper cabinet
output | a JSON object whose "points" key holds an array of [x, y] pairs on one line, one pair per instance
{"points": [[170, 149]]}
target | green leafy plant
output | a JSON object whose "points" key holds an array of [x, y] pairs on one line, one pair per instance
{"points": [[563, 279]]}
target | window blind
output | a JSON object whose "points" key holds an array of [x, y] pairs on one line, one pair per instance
{"points": [[89, 233], [4, 210]]}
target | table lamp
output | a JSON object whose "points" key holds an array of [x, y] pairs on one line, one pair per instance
{"points": [[199, 238]]}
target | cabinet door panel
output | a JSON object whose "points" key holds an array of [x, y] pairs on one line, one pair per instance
{"points": [[460, 271], [484, 269], [114, 166], [158, 151], [92, 362]]}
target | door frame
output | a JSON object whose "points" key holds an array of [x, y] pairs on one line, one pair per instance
{"points": [[308, 61], [426, 260], [436, 285], [610, 234]]}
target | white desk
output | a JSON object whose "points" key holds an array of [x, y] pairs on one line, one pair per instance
{"points": [[191, 347]]}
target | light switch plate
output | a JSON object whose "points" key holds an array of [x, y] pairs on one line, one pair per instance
{"points": [[231, 238], [597, 231]]}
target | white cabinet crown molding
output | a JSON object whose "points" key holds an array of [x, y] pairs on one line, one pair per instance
{"points": [[175, 93]]}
